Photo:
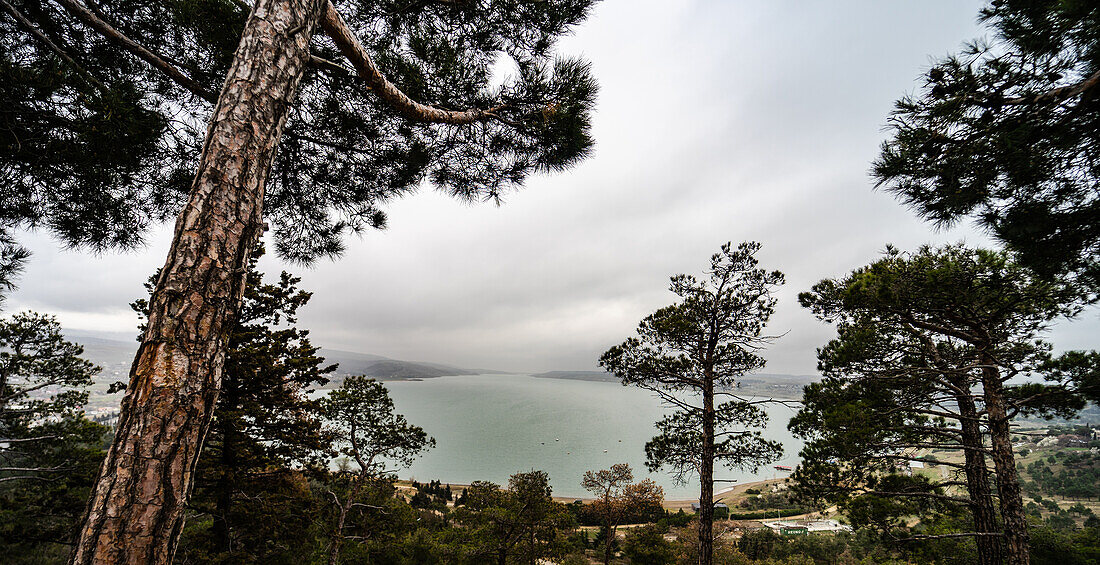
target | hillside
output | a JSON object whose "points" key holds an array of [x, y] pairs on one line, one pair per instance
{"points": [[384, 369], [763, 384], [116, 355], [601, 376]]}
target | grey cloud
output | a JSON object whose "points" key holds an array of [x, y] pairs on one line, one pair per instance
{"points": [[718, 121]]}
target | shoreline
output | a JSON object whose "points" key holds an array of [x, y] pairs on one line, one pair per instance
{"points": [[673, 505]]}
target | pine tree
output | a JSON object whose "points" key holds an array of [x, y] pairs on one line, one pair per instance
{"points": [[49, 451], [520, 524], [691, 354], [864, 423], [360, 417], [617, 497], [101, 103], [1005, 132], [927, 346]]}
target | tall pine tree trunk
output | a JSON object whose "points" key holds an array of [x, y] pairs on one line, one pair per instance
{"points": [[990, 548], [706, 477], [1008, 482], [136, 510]]}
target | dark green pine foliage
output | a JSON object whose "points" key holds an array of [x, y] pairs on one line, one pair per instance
{"points": [[646, 545], [522, 524], [43, 382], [692, 354], [12, 259], [96, 144], [703, 345], [1080, 367], [928, 346], [360, 418], [1008, 133], [859, 430], [49, 452], [265, 424]]}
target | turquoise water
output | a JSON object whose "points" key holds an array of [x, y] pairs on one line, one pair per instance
{"points": [[488, 427]]}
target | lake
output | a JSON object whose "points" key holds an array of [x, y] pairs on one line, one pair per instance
{"points": [[488, 427]]}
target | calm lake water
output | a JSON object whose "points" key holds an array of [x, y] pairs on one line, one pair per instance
{"points": [[488, 427]]}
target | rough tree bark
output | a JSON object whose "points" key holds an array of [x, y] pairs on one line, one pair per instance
{"points": [[136, 510], [990, 548], [1008, 481]]}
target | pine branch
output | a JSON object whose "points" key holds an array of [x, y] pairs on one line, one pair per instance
{"points": [[328, 65], [40, 36], [946, 536], [931, 495], [1059, 95], [93, 21], [348, 44]]}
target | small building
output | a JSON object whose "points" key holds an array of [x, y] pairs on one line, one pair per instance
{"points": [[804, 527]]}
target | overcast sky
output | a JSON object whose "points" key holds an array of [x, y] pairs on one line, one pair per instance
{"points": [[717, 121]]}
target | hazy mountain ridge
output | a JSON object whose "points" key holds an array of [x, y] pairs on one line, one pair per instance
{"points": [[759, 384], [600, 376], [115, 356]]}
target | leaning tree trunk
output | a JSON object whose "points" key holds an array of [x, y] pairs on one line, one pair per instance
{"points": [[706, 480], [136, 510], [1008, 481], [990, 547]]}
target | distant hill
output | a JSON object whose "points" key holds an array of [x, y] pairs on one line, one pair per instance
{"points": [[351, 363], [116, 355], [384, 368], [601, 376], [762, 384], [105, 352], [404, 370]]}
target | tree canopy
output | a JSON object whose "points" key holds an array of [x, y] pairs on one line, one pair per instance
{"points": [[929, 349], [102, 106], [49, 452], [617, 497], [691, 354], [360, 417], [520, 524], [1005, 132]]}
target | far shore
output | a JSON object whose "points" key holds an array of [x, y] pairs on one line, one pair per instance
{"points": [[725, 495]]}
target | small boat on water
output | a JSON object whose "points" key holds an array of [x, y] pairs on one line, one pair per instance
{"points": [[782, 467]]}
